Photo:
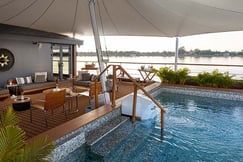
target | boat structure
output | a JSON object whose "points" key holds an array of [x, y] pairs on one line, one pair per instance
{"points": [[145, 108]]}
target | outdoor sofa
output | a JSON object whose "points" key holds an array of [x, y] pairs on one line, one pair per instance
{"points": [[85, 79], [28, 84]]}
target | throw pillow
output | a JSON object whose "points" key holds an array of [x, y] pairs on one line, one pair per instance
{"points": [[20, 80], [40, 78], [41, 73], [86, 77], [28, 79]]}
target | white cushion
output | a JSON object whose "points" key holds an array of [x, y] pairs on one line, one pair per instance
{"points": [[41, 73], [28, 79], [20, 80]]}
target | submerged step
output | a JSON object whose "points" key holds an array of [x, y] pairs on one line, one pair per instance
{"points": [[122, 143], [104, 146], [127, 149], [94, 136]]}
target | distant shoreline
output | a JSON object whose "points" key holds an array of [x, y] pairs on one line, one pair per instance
{"points": [[194, 53]]}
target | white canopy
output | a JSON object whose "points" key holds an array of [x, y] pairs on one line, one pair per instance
{"points": [[167, 18]]}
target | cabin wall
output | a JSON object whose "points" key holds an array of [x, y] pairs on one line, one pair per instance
{"points": [[29, 58]]}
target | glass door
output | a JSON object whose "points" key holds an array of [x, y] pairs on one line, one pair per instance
{"points": [[61, 61]]}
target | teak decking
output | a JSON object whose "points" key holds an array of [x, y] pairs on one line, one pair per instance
{"points": [[58, 116]]}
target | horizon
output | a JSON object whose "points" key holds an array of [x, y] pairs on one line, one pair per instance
{"points": [[225, 41]]}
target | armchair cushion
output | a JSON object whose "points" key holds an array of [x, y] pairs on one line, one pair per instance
{"points": [[41, 73], [86, 76], [82, 83], [40, 78]]}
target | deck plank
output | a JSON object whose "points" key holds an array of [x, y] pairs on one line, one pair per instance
{"points": [[37, 127]]}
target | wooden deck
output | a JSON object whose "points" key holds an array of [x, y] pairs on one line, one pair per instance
{"points": [[58, 117]]}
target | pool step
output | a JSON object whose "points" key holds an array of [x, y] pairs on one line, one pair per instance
{"points": [[102, 148], [94, 136], [123, 140], [75, 155], [146, 151], [126, 150]]}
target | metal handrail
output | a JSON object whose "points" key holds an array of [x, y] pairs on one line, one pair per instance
{"points": [[136, 86]]}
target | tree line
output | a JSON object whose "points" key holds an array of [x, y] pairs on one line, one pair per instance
{"points": [[181, 53]]}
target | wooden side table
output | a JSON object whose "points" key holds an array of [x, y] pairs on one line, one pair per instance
{"points": [[18, 104], [147, 75], [91, 68], [70, 96], [21, 104]]}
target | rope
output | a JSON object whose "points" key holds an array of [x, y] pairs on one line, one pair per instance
{"points": [[7, 3], [31, 4], [147, 20], [110, 18], [102, 27], [218, 8], [74, 19], [42, 13]]}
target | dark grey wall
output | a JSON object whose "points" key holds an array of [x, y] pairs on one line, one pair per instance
{"points": [[29, 58]]}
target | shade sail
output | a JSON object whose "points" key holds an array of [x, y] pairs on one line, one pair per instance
{"points": [[167, 18]]}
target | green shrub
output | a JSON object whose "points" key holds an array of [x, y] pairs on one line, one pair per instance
{"points": [[215, 79], [167, 75], [162, 73], [182, 75], [204, 79], [192, 80]]}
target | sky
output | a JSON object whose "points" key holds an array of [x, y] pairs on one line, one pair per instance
{"points": [[227, 41]]}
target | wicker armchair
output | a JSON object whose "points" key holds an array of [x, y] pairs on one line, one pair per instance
{"points": [[95, 88], [53, 100], [97, 96]]}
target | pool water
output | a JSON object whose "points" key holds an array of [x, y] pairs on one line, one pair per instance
{"points": [[196, 129], [200, 129]]}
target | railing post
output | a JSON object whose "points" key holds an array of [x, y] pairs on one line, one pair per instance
{"points": [[161, 119], [134, 103], [113, 87], [96, 94], [136, 86]]}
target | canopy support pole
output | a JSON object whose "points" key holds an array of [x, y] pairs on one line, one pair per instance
{"points": [[97, 42], [176, 53]]}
